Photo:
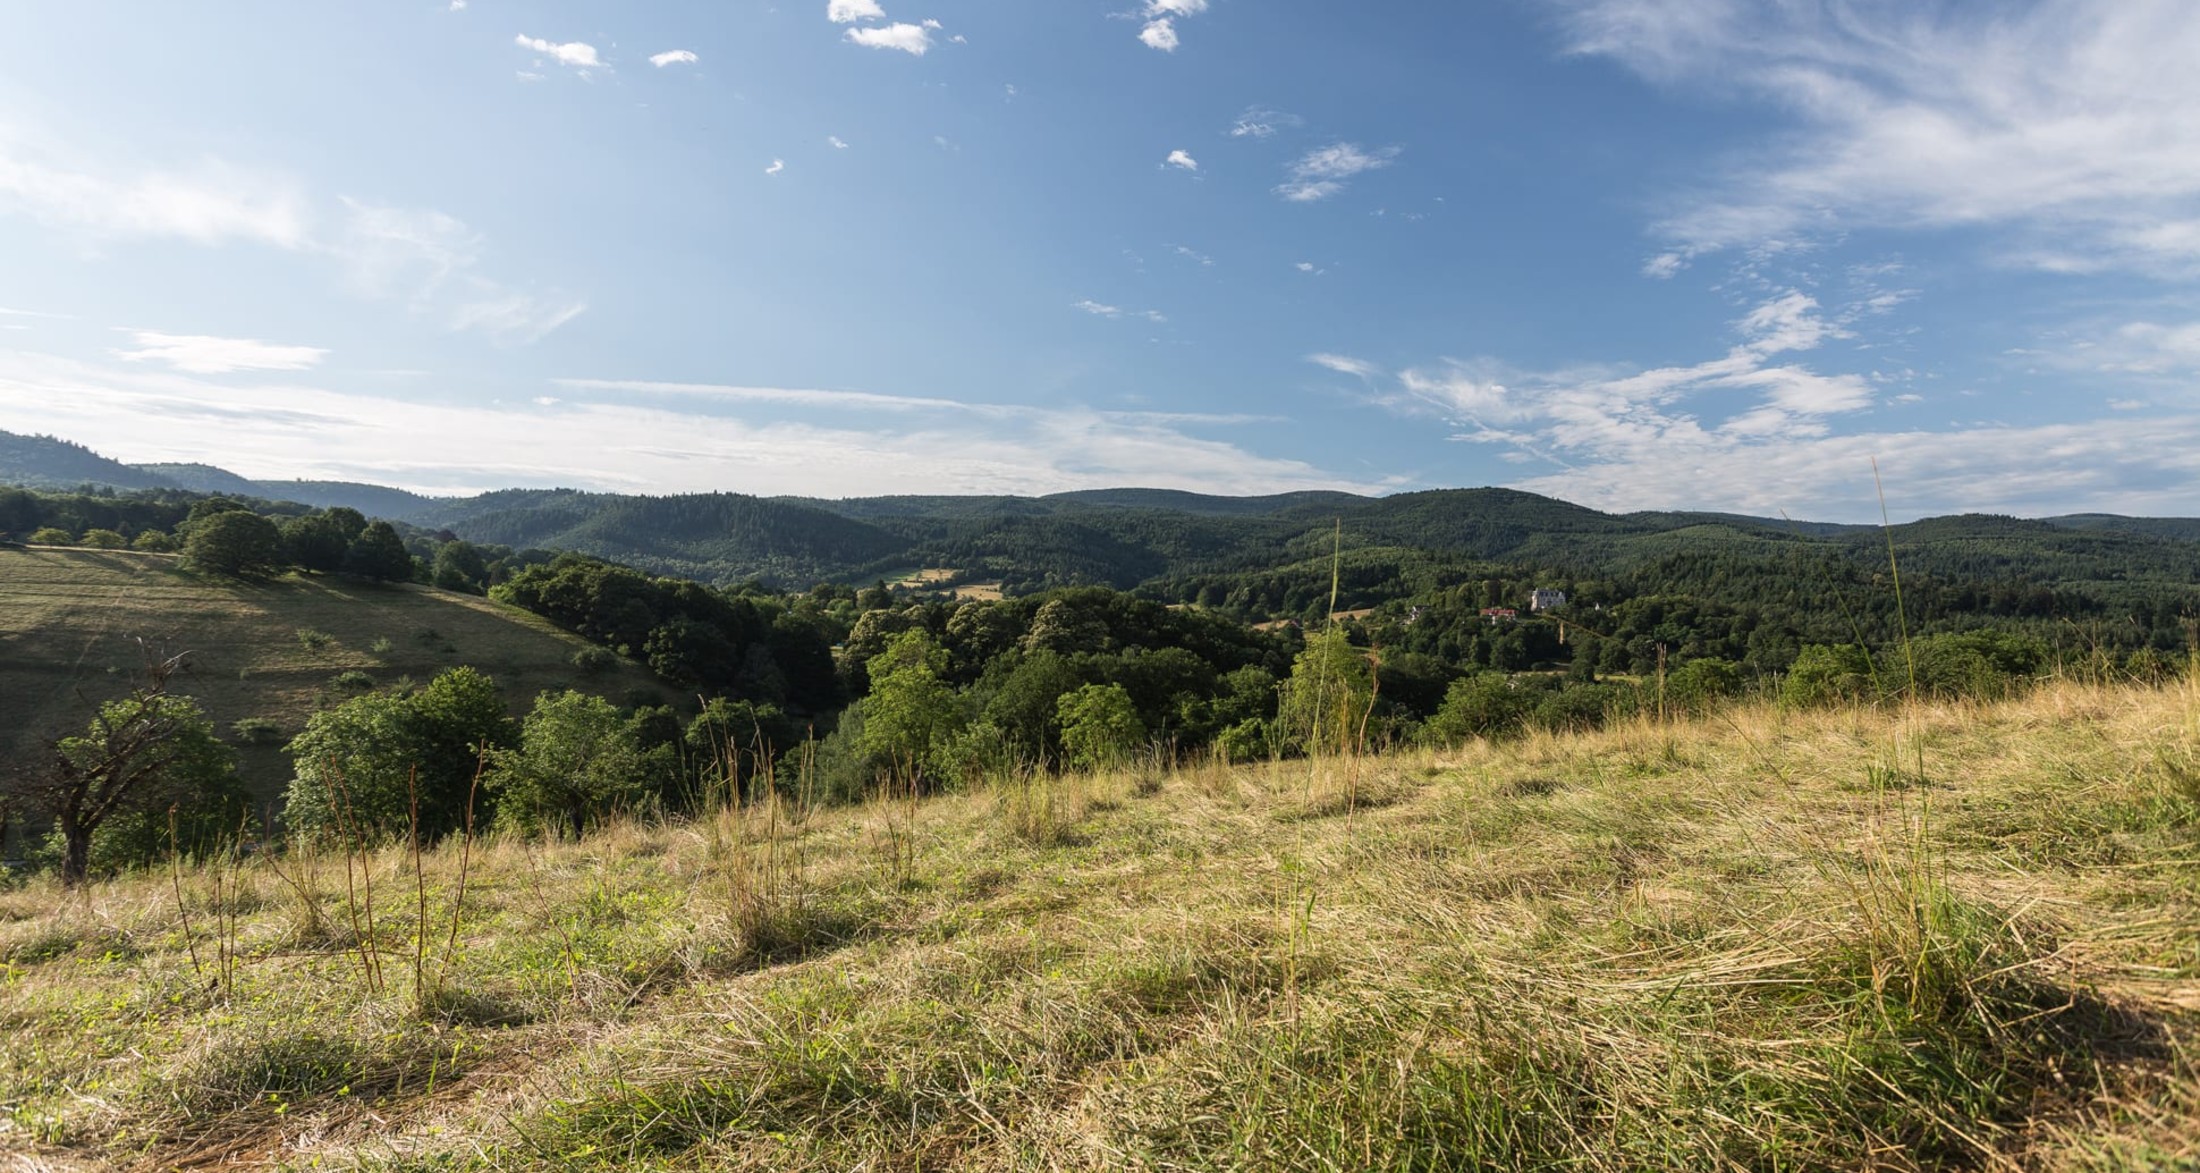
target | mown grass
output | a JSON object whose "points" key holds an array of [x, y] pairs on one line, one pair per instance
{"points": [[1732, 944], [269, 651]]}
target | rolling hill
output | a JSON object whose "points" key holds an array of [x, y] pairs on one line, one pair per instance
{"points": [[44, 462], [69, 621], [1131, 537]]}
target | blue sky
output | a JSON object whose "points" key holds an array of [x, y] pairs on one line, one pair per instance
{"points": [[1633, 253]]}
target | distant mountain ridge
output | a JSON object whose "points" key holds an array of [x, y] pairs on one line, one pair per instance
{"points": [[1132, 536], [46, 462]]}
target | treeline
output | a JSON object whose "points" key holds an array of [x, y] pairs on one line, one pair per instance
{"points": [[247, 537]]}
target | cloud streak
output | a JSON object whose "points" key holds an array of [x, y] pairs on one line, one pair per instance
{"points": [[200, 354], [2063, 125], [295, 430]]}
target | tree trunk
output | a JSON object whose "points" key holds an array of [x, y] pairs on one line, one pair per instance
{"points": [[579, 816], [76, 852]]}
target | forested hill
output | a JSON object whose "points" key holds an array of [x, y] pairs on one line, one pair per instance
{"points": [[711, 536], [1180, 546], [45, 462]]}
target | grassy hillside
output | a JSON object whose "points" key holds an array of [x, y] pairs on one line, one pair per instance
{"points": [[69, 618], [1963, 937]]}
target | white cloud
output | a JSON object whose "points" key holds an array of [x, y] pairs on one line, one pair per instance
{"points": [[850, 11], [796, 396], [1322, 172], [574, 53], [200, 354], [1664, 265], [909, 38], [457, 6], [1181, 158], [2149, 351], [1192, 254], [604, 438], [210, 203], [674, 57], [1161, 16], [777, 166], [1745, 430], [932, 24], [424, 258], [1345, 364], [1103, 310], [2066, 125], [1262, 122], [1788, 322], [837, 145]]}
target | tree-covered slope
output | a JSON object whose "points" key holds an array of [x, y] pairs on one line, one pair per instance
{"points": [[710, 536], [45, 462]]}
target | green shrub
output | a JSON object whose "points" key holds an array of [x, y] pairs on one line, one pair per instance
{"points": [[51, 536], [352, 680], [594, 661], [314, 641], [103, 539], [257, 731], [1487, 705], [1828, 674]]}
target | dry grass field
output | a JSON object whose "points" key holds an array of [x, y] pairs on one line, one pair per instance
{"points": [[1962, 937], [69, 620]]}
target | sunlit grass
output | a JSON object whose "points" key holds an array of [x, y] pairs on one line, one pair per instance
{"points": [[1732, 943]]}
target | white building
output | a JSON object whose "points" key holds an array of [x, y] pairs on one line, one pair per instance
{"points": [[1544, 599]]}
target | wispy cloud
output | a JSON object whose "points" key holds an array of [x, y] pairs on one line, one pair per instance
{"points": [[777, 166], [422, 257], [576, 54], [1744, 430], [1192, 254], [1262, 122], [1345, 364], [913, 39], [1183, 159], [850, 11], [837, 144], [431, 261], [203, 355], [803, 397], [210, 203], [591, 437], [1160, 34], [1104, 310], [1322, 172], [674, 57], [2064, 125]]}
